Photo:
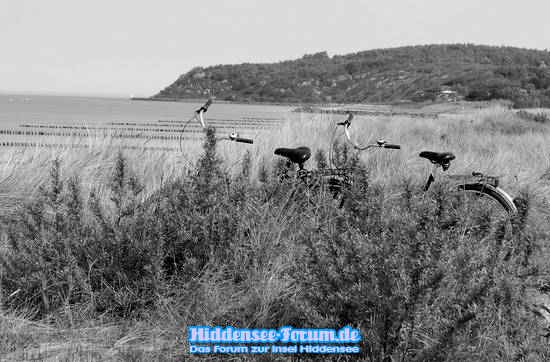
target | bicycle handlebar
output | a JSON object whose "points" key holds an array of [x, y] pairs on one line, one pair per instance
{"points": [[380, 143], [198, 116], [232, 136]]}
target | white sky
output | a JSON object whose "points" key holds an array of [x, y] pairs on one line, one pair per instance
{"points": [[119, 47]]}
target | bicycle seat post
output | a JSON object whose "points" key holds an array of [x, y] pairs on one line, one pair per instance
{"points": [[431, 177], [302, 173]]}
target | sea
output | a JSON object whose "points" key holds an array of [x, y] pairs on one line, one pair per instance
{"points": [[18, 109], [25, 118]]}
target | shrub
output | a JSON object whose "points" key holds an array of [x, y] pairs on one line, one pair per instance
{"points": [[540, 117], [406, 272], [65, 252]]}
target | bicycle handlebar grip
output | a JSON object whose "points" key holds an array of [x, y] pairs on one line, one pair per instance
{"points": [[244, 140], [395, 147], [207, 104], [204, 108]]}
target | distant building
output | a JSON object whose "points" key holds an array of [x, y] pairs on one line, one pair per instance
{"points": [[447, 95]]}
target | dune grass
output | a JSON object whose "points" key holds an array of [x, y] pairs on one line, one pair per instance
{"points": [[116, 253], [494, 141]]}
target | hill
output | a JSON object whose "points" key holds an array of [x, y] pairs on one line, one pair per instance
{"points": [[414, 73]]}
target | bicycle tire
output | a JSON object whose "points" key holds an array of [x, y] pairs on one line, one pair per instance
{"points": [[495, 193], [496, 210]]}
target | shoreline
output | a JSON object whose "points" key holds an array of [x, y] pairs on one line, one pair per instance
{"points": [[331, 107], [202, 100]]}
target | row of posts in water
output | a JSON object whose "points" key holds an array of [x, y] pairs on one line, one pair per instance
{"points": [[114, 135], [188, 129], [64, 145]]}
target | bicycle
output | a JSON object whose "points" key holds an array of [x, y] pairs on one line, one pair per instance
{"points": [[334, 178], [480, 193], [483, 197]]}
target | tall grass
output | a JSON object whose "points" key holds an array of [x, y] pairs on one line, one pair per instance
{"points": [[495, 141], [22, 170], [226, 243]]}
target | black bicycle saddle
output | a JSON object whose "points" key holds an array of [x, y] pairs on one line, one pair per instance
{"points": [[297, 155], [440, 158]]}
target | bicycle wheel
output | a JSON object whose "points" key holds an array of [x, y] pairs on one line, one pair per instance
{"points": [[496, 193], [489, 211], [327, 186], [336, 189]]}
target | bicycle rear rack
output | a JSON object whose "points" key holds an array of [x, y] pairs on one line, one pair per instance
{"points": [[478, 178]]}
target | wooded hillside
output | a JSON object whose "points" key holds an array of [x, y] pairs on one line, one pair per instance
{"points": [[415, 73]]}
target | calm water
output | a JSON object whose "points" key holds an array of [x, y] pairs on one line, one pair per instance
{"points": [[56, 120], [49, 110]]}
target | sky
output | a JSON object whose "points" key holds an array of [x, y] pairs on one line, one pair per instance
{"points": [[119, 48]]}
